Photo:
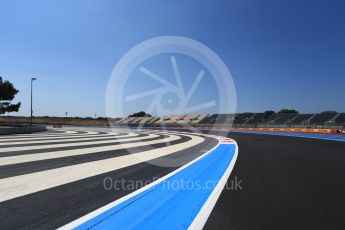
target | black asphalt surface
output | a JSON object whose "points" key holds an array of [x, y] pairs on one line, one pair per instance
{"points": [[116, 142], [55, 207], [287, 182], [36, 166]]}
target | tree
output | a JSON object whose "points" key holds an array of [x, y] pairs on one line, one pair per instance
{"points": [[140, 114], [329, 112], [288, 111], [268, 113], [7, 94]]}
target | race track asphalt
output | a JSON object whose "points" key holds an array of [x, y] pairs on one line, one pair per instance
{"points": [[287, 183], [58, 205]]}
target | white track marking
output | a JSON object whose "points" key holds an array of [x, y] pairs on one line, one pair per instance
{"points": [[68, 153], [70, 132], [22, 140], [18, 186], [82, 132], [103, 209], [25, 148], [52, 133], [204, 213], [28, 136], [56, 139]]}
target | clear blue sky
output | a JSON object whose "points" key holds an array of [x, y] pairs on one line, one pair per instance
{"points": [[287, 53]]}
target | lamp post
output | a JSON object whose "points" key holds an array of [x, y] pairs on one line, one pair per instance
{"points": [[32, 80]]}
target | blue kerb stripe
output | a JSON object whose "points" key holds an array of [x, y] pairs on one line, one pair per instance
{"points": [[173, 203]]}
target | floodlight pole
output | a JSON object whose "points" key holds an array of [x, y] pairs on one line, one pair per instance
{"points": [[32, 80]]}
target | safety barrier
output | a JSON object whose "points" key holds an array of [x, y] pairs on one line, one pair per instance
{"points": [[294, 130], [21, 130]]}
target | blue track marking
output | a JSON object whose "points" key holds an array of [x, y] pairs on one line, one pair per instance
{"points": [[175, 202]]}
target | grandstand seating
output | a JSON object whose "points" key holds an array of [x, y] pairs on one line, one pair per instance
{"points": [[257, 118], [247, 119], [284, 118], [192, 118], [152, 120], [242, 118], [142, 120], [211, 119], [163, 119], [136, 120], [301, 118], [322, 118], [174, 119], [340, 119], [199, 119], [126, 120], [220, 119], [271, 119], [279, 118], [182, 119], [185, 119], [120, 120]]}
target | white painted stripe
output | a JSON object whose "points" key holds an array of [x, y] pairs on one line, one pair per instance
{"points": [[65, 132], [200, 220], [16, 136], [69, 132], [28, 136], [17, 186], [103, 209], [54, 133], [55, 139], [68, 153], [87, 132], [36, 147]]}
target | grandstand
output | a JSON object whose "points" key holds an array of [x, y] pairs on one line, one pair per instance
{"points": [[327, 119], [300, 119], [242, 118], [163, 119], [136, 120], [149, 120], [199, 119], [280, 118], [192, 119], [271, 119], [174, 119], [168, 120], [126, 120], [285, 118], [211, 119], [322, 118], [220, 119], [256, 118], [340, 119]]}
